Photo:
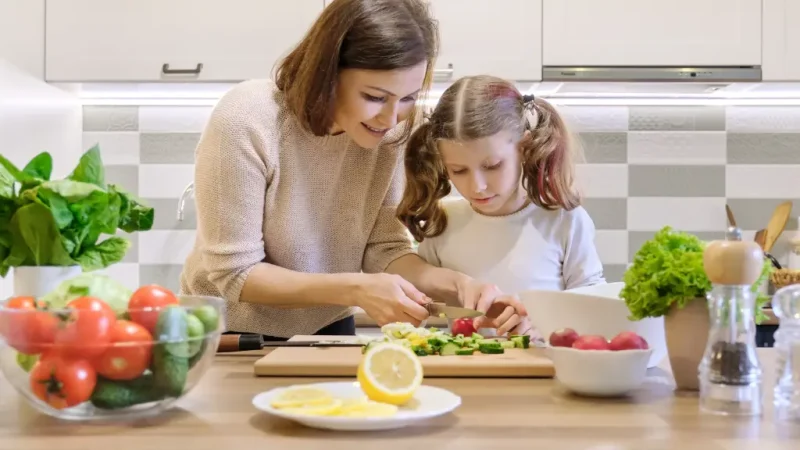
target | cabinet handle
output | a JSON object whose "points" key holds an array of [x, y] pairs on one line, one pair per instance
{"points": [[445, 74], [167, 71]]}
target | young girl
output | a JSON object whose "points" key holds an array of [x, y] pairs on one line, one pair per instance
{"points": [[519, 224]]}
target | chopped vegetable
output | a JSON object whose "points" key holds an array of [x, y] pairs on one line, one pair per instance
{"points": [[431, 341]]}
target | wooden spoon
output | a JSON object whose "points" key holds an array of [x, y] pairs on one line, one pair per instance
{"points": [[760, 235], [731, 219], [777, 224]]}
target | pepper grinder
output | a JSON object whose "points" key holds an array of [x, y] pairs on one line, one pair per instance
{"points": [[730, 372]]}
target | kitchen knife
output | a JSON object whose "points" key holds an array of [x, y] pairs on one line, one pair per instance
{"points": [[246, 342], [451, 312]]}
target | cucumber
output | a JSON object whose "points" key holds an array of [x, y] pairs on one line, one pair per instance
{"points": [[110, 394], [476, 337], [521, 341], [465, 351], [196, 334], [449, 349], [419, 351], [507, 344], [490, 347], [172, 352]]}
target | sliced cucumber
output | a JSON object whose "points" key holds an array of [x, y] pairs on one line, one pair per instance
{"points": [[507, 344], [477, 337], [521, 341], [465, 351], [420, 351], [449, 349], [492, 350], [485, 346]]}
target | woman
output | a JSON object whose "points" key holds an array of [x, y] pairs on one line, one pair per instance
{"points": [[297, 181]]}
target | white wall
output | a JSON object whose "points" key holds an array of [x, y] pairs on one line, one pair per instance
{"points": [[36, 117], [22, 35]]}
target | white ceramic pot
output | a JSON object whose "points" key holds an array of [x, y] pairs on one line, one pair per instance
{"points": [[36, 281]]}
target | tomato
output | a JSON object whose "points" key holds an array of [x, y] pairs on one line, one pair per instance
{"points": [[26, 328], [464, 326], [62, 382], [147, 302], [86, 331], [129, 354]]}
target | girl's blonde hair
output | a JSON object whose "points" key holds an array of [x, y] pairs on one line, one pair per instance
{"points": [[478, 107]]}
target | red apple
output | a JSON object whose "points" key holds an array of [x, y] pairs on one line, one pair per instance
{"points": [[591, 342], [563, 337], [463, 326], [628, 340]]}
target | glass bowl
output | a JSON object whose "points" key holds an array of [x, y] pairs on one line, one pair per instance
{"points": [[88, 362]]}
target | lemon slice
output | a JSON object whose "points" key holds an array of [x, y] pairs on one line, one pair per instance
{"points": [[368, 409], [302, 396], [390, 373], [329, 408]]}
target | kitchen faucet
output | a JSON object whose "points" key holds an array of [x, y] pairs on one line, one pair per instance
{"points": [[186, 193]]}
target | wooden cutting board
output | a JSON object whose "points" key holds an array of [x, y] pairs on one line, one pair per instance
{"points": [[343, 362]]}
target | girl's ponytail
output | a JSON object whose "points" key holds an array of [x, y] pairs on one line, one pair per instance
{"points": [[426, 184], [548, 160]]}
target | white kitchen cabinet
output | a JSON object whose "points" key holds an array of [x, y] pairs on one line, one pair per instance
{"points": [[497, 37], [781, 40], [652, 32], [156, 40], [22, 35]]}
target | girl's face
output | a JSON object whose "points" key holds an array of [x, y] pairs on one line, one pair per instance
{"points": [[486, 172], [369, 103]]}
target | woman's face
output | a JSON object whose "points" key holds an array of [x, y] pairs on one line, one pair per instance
{"points": [[369, 103]]}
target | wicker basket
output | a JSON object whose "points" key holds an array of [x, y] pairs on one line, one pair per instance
{"points": [[784, 277]]}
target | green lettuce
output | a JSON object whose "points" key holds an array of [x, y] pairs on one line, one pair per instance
{"points": [[112, 292], [668, 270], [47, 222]]}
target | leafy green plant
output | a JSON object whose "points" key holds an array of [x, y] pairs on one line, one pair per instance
{"points": [[668, 270], [47, 222]]}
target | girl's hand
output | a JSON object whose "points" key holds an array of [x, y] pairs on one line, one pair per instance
{"points": [[390, 298], [503, 312]]}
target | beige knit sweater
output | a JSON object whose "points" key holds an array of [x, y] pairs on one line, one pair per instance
{"points": [[267, 190]]}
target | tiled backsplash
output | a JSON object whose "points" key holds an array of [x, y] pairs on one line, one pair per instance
{"points": [[646, 167]]}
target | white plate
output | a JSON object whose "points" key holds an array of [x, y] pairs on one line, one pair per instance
{"points": [[428, 402]]}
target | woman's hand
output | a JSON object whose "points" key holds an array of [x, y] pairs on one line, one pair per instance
{"points": [[504, 312], [389, 298]]}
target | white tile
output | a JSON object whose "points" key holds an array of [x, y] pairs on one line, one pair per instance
{"points": [[173, 118], [677, 147], [164, 180], [762, 181], [595, 118], [125, 273], [689, 214], [165, 246], [612, 246], [602, 180], [757, 119], [116, 147]]}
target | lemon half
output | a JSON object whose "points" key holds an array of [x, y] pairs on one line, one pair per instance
{"points": [[390, 373]]}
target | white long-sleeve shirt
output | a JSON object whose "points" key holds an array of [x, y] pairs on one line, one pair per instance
{"points": [[530, 249]]}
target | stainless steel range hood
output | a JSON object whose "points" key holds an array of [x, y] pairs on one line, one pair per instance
{"points": [[751, 74]]}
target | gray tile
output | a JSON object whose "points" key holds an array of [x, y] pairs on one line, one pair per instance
{"points": [[677, 118], [607, 213], [676, 181], [167, 275], [605, 147], [110, 118], [166, 214], [168, 148], [637, 238], [754, 213], [763, 148], [125, 176], [614, 272]]}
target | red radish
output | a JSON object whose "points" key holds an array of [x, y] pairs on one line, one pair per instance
{"points": [[563, 337], [463, 326], [591, 342], [628, 340]]}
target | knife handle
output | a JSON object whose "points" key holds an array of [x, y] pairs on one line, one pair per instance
{"points": [[239, 343]]}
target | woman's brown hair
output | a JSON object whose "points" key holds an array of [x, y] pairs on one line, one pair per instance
{"points": [[478, 107], [356, 34]]}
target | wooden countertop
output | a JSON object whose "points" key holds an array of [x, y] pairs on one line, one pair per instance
{"points": [[510, 413]]}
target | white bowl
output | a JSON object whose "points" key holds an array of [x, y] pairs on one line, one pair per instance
{"points": [[592, 310], [600, 373]]}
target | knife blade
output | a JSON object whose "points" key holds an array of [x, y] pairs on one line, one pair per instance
{"points": [[246, 342], [451, 312]]}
